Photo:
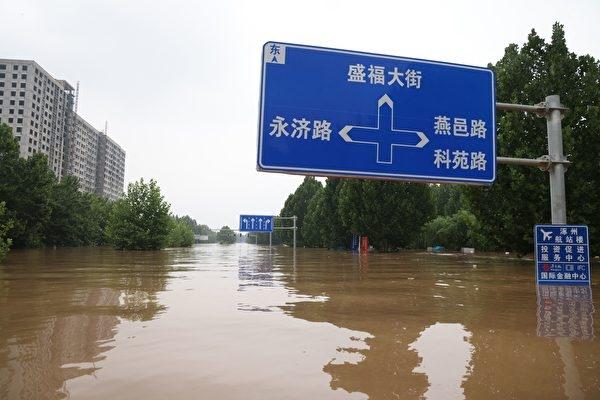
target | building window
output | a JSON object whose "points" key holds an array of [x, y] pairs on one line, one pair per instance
{"points": [[15, 76], [23, 85], [24, 67], [23, 76], [15, 67], [13, 84], [2, 66], [2, 75]]}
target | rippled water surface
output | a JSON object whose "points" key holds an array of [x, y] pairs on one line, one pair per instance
{"points": [[246, 322]]}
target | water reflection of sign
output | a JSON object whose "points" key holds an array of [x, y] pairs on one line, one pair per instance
{"points": [[565, 311], [562, 254]]}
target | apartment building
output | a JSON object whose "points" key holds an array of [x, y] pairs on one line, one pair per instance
{"points": [[81, 153], [39, 109], [110, 168]]}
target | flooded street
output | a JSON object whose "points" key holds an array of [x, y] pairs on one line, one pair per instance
{"points": [[243, 322]]}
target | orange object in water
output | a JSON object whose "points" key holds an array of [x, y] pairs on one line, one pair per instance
{"points": [[364, 244]]}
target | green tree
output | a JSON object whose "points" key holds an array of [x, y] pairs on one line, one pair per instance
{"points": [[226, 235], [96, 220], [5, 226], [297, 204], [323, 225], [391, 214], [181, 234], [205, 230], [68, 224], [447, 199], [190, 222], [25, 186], [519, 198], [140, 220], [453, 232]]}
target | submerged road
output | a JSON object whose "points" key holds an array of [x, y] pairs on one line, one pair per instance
{"points": [[243, 322]]}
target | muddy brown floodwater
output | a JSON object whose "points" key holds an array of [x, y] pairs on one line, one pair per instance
{"points": [[243, 322]]}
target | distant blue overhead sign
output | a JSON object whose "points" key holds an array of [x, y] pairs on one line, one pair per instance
{"points": [[343, 113], [562, 254], [256, 223]]}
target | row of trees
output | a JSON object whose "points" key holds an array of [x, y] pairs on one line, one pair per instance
{"points": [[497, 217], [393, 214], [224, 235], [36, 210]]}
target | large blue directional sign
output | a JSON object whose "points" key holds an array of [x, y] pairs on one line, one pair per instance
{"points": [[343, 113], [256, 223], [562, 254]]}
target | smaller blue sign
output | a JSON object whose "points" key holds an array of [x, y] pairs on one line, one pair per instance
{"points": [[562, 254], [256, 223]]}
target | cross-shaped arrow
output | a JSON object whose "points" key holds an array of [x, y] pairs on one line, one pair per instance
{"points": [[384, 136]]}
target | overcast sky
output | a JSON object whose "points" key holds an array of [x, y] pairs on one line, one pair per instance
{"points": [[178, 81]]}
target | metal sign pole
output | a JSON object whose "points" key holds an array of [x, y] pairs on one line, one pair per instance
{"points": [[295, 228], [555, 162], [555, 151]]}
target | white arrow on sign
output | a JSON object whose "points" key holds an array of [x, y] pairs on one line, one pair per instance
{"points": [[245, 220], [384, 136], [267, 223], [252, 220], [260, 223]]}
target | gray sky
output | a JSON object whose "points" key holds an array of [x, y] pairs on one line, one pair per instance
{"points": [[178, 81]]}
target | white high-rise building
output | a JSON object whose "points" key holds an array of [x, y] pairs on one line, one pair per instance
{"points": [[39, 109]]}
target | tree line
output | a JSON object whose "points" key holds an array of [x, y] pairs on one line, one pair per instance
{"points": [[225, 235], [37, 210], [497, 217]]}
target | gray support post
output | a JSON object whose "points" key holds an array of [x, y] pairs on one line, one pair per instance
{"points": [[555, 151], [270, 239], [295, 228]]}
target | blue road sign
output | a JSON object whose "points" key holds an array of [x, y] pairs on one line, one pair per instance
{"points": [[562, 254], [256, 223], [343, 113]]}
